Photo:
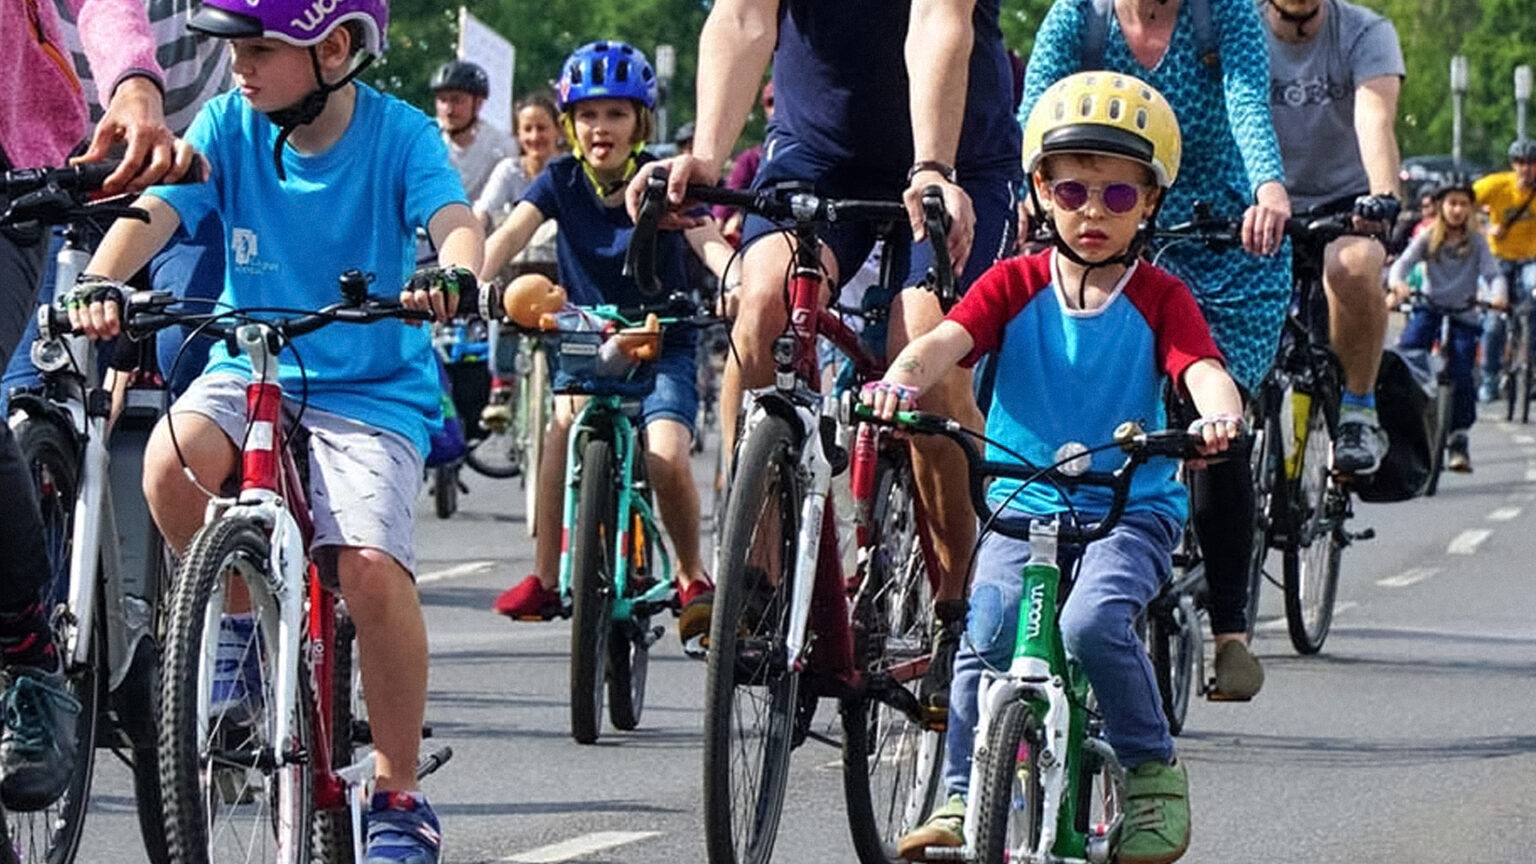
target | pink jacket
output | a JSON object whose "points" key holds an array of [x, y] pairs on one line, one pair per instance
{"points": [[42, 112]]}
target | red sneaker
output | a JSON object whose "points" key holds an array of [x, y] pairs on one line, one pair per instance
{"points": [[695, 600], [528, 600]]}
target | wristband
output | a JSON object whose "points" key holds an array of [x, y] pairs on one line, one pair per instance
{"points": [[944, 169]]}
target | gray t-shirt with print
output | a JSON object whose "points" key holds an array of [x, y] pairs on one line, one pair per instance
{"points": [[1312, 99]]}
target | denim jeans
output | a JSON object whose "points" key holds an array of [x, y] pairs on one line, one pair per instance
{"points": [[1522, 283], [1422, 331], [1117, 577]]}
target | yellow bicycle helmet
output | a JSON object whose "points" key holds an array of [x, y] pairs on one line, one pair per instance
{"points": [[1107, 113]]}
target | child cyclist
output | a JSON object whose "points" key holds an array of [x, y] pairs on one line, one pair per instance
{"points": [[314, 173], [1089, 334], [607, 92], [1455, 255]]}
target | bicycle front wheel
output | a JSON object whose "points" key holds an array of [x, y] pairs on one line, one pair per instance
{"points": [[233, 792], [892, 762], [1267, 464], [1009, 811], [750, 693], [592, 569], [1313, 550], [445, 489], [332, 841]]}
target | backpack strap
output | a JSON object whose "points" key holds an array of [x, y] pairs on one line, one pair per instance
{"points": [[1096, 33]]}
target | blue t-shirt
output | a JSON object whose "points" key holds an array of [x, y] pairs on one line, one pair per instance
{"points": [[594, 240], [1072, 376], [839, 72], [356, 205]]}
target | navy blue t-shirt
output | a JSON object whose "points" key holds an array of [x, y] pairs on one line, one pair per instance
{"points": [[839, 75], [594, 240]]}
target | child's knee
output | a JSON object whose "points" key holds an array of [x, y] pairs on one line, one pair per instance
{"points": [[370, 578], [1092, 633], [990, 624]]}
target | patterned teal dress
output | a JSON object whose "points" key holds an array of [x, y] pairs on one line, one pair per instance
{"points": [[1229, 151]]}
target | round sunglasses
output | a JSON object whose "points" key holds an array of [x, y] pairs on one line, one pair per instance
{"points": [[1118, 198]]}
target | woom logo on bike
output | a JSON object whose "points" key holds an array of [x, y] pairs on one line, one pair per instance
{"points": [[1036, 610]]}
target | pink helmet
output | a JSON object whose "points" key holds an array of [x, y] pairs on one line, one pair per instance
{"points": [[297, 22]]}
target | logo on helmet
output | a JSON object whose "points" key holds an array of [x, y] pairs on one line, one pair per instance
{"points": [[315, 15]]}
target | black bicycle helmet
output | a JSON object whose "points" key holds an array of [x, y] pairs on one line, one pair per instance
{"points": [[1522, 150], [1453, 183], [461, 75]]}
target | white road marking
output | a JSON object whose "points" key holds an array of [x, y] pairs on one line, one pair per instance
{"points": [[1530, 473], [576, 847], [468, 568], [1524, 439], [1412, 576], [1466, 542], [1503, 514]]}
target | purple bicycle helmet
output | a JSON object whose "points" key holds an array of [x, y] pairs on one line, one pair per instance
{"points": [[605, 70], [297, 22]]}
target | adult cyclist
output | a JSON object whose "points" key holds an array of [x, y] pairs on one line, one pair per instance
{"points": [[855, 126], [1510, 197], [459, 91], [1336, 70], [43, 115]]}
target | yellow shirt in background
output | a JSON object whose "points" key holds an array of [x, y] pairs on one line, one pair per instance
{"points": [[1512, 238]]}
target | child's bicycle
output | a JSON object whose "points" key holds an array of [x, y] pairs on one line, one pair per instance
{"points": [[781, 610], [1046, 788], [615, 568], [275, 778]]}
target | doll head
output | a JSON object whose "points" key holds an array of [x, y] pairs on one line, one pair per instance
{"points": [[530, 297]]}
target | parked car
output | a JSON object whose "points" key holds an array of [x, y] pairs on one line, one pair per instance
{"points": [[1422, 173]]}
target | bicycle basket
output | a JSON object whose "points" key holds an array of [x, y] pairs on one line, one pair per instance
{"points": [[574, 363]]}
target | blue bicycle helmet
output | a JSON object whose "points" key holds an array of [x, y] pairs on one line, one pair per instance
{"points": [[607, 70]]}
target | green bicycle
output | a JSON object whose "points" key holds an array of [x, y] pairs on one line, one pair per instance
{"points": [[1046, 788]]}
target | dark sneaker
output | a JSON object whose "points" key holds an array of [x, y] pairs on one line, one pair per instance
{"points": [[695, 602], [236, 672], [945, 828], [402, 829], [1360, 446], [1239, 677], [1458, 458], [529, 600], [948, 626], [38, 747], [1156, 814]]}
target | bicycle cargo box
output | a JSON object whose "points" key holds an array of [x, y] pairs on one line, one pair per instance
{"points": [[575, 361], [1405, 402]]}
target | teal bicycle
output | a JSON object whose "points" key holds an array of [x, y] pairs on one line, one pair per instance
{"points": [[1046, 787], [615, 568]]}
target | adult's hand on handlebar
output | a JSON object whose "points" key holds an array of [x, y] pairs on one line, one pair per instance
{"points": [[681, 170], [885, 398], [1264, 223], [962, 226], [136, 117], [94, 306]]}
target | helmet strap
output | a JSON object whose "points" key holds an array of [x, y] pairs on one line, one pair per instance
{"points": [[309, 108]]}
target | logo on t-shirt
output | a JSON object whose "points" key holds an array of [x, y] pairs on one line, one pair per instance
{"points": [[247, 252], [1301, 92]]}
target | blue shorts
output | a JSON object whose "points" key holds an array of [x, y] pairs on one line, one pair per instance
{"points": [[993, 196], [676, 394]]}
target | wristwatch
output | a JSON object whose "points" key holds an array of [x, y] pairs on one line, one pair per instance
{"points": [[943, 169]]}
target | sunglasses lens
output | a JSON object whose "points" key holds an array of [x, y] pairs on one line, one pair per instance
{"points": [[1121, 197], [1070, 194]]}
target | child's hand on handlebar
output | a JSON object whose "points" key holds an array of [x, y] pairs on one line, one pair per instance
{"points": [[1215, 433], [885, 398]]}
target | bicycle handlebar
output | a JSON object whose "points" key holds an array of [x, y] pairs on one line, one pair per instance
{"points": [[678, 308], [1138, 445], [55, 196], [1311, 226]]}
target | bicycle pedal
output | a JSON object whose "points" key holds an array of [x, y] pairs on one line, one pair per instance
{"points": [[1363, 534], [935, 719], [432, 761]]}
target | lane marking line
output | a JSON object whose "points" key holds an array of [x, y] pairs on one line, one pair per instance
{"points": [[1412, 576], [468, 568], [1503, 514], [1466, 542], [1524, 439], [576, 847]]}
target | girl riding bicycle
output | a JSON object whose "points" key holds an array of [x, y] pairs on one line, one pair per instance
{"points": [[1455, 255], [607, 94], [1088, 334]]}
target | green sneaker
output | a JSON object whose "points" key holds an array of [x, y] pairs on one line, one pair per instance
{"points": [[946, 827], [1156, 814]]}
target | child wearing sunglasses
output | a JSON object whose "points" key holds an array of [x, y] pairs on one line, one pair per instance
{"points": [[1086, 336]]}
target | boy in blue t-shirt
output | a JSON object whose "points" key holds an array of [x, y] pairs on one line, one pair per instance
{"points": [[607, 92], [313, 174], [1087, 336]]}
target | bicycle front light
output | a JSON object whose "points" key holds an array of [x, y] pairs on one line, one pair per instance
{"points": [[784, 351], [49, 355]]}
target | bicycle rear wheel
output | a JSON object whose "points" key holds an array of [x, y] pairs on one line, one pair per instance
{"points": [[892, 763], [1267, 466], [629, 643], [1442, 432], [1009, 811], [1175, 657], [1313, 549], [592, 569], [445, 489], [53, 833], [750, 693], [233, 792]]}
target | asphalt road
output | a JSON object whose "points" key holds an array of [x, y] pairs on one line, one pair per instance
{"points": [[1411, 738]]}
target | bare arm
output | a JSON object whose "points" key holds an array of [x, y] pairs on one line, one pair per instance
{"points": [[510, 238], [938, 53], [128, 246], [1375, 114], [1216, 398], [919, 365]]}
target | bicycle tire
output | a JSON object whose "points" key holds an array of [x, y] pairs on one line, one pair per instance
{"points": [[746, 652], [1442, 433], [445, 490], [224, 549], [1009, 809], [1267, 466], [1175, 657], [1523, 387], [140, 692], [538, 400], [592, 568], [1511, 393], [1313, 550], [332, 837], [53, 834], [893, 626], [629, 644]]}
